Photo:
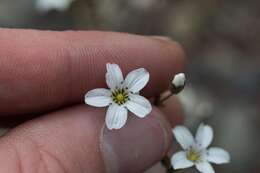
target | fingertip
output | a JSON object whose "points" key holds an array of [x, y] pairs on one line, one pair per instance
{"points": [[177, 50], [138, 145]]}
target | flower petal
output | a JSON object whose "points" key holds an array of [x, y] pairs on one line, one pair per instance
{"points": [[139, 105], [205, 167], [204, 136], [218, 155], [116, 116], [180, 161], [99, 97], [136, 80], [183, 136], [114, 76]]}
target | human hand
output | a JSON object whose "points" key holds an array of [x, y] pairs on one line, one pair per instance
{"points": [[46, 74]]}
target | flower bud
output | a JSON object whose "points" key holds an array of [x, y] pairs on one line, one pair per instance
{"points": [[178, 83]]}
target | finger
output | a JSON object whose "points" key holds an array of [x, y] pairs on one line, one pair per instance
{"points": [[75, 141], [157, 168], [45, 70], [172, 108]]}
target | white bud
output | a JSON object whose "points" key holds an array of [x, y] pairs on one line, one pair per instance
{"points": [[179, 80], [178, 83]]}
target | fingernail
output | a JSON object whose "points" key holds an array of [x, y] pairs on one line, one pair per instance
{"points": [[164, 38], [136, 146]]}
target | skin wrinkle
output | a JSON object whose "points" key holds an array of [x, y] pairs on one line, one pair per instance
{"points": [[22, 164], [73, 55], [80, 57], [83, 142], [93, 68], [70, 71], [36, 72], [66, 61], [42, 155], [52, 162], [31, 150], [54, 158], [19, 160]]}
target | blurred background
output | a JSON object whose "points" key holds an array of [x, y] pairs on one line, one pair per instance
{"points": [[222, 42]]}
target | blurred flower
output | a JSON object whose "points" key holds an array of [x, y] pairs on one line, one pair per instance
{"points": [[47, 5], [144, 4], [196, 103], [195, 150], [122, 95]]}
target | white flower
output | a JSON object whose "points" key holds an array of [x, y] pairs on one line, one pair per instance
{"points": [[47, 5], [195, 150], [123, 95]]}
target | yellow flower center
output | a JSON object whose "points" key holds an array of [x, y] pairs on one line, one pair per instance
{"points": [[120, 96], [193, 156]]}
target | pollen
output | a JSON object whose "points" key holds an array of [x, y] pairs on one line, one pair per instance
{"points": [[193, 156], [120, 96]]}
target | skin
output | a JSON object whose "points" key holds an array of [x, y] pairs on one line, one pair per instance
{"points": [[45, 74]]}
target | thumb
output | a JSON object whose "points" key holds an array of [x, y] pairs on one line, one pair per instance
{"points": [[75, 140]]}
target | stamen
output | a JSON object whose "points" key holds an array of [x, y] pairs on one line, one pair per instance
{"points": [[120, 96], [193, 155]]}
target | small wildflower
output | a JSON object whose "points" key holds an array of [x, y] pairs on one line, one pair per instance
{"points": [[178, 83], [195, 150], [123, 95]]}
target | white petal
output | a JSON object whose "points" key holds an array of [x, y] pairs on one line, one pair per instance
{"points": [[99, 97], [204, 167], [183, 136], [114, 76], [218, 155], [204, 135], [139, 105], [179, 80], [180, 161], [116, 116], [136, 80]]}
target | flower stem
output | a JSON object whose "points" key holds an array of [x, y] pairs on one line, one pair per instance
{"points": [[166, 162], [166, 98], [159, 101]]}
